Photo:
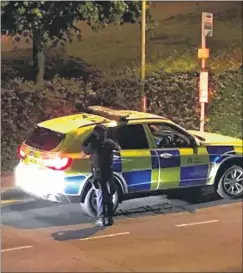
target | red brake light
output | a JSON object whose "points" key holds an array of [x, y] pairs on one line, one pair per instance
{"points": [[58, 163], [21, 153]]}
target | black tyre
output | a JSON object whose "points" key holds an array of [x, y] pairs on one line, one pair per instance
{"points": [[89, 205], [230, 185]]}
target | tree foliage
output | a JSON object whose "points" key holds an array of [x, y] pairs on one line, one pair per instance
{"points": [[51, 21]]}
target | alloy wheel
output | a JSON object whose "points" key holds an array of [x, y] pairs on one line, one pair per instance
{"points": [[233, 181]]}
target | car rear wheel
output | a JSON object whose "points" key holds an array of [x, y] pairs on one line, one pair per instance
{"points": [[230, 184], [89, 205]]}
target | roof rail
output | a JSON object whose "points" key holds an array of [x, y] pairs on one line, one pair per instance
{"points": [[109, 113]]}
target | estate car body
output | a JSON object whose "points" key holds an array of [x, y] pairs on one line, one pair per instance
{"points": [[156, 154]]}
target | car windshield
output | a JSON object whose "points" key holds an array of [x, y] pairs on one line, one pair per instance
{"points": [[44, 139]]}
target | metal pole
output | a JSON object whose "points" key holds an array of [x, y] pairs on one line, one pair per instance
{"points": [[203, 67], [143, 40]]}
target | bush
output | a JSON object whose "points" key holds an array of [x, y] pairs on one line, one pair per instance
{"points": [[226, 110], [171, 95], [25, 104], [175, 96]]}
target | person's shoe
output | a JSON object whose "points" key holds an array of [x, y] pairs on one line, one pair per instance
{"points": [[110, 222], [100, 222]]}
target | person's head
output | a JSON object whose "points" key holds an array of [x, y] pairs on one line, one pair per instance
{"points": [[100, 131]]}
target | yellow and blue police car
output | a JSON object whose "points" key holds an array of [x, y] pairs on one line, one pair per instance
{"points": [[156, 154]]}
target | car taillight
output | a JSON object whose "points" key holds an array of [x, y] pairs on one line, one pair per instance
{"points": [[58, 163], [21, 153]]}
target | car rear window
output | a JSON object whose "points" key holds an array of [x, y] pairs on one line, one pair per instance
{"points": [[44, 139]]}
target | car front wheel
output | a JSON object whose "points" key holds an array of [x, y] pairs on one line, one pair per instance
{"points": [[89, 205], [230, 184]]}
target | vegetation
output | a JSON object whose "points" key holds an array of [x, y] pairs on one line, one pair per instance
{"points": [[50, 22], [24, 103], [226, 111], [172, 41], [103, 69]]}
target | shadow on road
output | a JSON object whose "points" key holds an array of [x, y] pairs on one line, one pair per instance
{"points": [[43, 214], [76, 234]]}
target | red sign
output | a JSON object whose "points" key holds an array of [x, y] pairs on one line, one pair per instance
{"points": [[209, 18]]}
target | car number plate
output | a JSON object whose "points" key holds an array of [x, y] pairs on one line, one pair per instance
{"points": [[32, 160]]}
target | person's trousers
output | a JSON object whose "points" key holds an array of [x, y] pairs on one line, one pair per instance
{"points": [[104, 187], [104, 200]]}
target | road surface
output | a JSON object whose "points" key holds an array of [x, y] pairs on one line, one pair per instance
{"points": [[154, 234]]}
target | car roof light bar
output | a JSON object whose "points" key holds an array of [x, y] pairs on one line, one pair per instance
{"points": [[109, 113]]}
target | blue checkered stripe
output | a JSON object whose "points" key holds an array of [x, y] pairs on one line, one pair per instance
{"points": [[173, 171], [136, 180], [73, 183], [218, 153], [140, 180]]}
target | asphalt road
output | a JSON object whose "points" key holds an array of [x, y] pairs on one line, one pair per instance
{"points": [[153, 234]]}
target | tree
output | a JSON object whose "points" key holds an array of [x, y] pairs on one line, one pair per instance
{"points": [[51, 21]]}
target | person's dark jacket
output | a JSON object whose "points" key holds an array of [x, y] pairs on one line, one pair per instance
{"points": [[101, 151]]}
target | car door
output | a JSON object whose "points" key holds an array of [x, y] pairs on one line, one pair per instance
{"points": [[182, 163], [134, 161]]}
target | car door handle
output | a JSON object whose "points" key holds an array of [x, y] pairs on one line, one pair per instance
{"points": [[166, 155], [116, 157]]}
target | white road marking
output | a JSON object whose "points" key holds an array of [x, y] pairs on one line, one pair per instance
{"points": [[198, 223], [15, 248], [105, 236]]}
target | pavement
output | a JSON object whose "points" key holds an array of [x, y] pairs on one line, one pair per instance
{"points": [[152, 234]]}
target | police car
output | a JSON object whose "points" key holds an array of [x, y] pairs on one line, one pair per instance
{"points": [[156, 154]]}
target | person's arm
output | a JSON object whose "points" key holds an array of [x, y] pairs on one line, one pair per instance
{"points": [[87, 146], [114, 145]]}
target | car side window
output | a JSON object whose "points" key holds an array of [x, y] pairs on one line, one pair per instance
{"points": [[168, 136], [131, 137]]}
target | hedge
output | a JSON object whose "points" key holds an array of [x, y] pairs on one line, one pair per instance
{"points": [[24, 104], [226, 111]]}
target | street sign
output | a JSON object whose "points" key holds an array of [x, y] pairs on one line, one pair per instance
{"points": [[203, 53], [203, 87], [208, 24]]}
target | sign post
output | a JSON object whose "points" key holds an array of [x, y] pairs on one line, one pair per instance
{"points": [[143, 43], [203, 54]]}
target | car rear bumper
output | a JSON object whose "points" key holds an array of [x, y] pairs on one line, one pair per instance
{"points": [[46, 184]]}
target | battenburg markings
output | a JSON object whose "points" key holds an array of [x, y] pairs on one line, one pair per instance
{"points": [[138, 180], [154, 159], [73, 183], [171, 162], [215, 152], [117, 163], [194, 175]]}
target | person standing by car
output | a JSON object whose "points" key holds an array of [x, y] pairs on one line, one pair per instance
{"points": [[101, 150]]}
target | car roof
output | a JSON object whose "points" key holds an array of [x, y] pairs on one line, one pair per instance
{"points": [[100, 115], [72, 122]]}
